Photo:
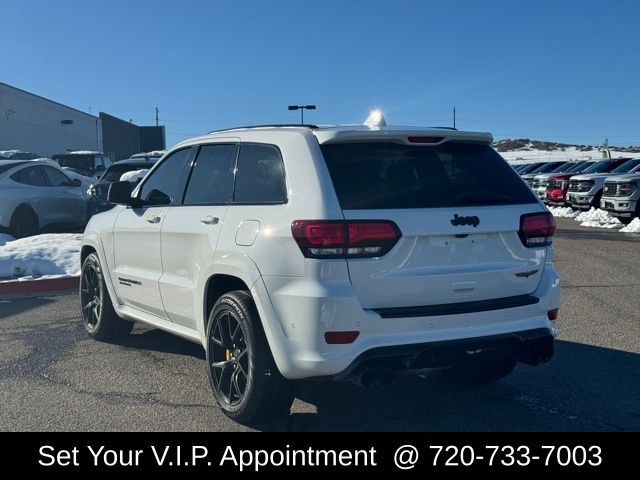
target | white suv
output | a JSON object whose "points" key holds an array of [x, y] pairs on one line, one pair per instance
{"points": [[294, 252]]}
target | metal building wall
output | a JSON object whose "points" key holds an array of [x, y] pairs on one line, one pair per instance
{"points": [[33, 123]]}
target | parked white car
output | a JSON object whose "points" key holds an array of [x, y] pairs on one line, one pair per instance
{"points": [[38, 194], [293, 252]]}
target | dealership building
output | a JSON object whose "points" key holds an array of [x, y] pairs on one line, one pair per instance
{"points": [[36, 124]]}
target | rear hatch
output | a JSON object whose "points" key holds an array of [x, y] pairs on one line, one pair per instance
{"points": [[458, 206]]}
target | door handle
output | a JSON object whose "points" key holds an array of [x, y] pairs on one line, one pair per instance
{"points": [[153, 219], [209, 220]]}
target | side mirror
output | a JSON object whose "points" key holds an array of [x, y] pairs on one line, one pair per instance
{"points": [[120, 194], [100, 168], [76, 182]]}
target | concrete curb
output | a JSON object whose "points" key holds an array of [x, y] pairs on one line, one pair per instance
{"points": [[29, 288]]}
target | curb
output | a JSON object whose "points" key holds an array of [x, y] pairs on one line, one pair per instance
{"points": [[28, 288]]}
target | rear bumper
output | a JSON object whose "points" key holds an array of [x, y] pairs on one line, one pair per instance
{"points": [[530, 346], [304, 309]]}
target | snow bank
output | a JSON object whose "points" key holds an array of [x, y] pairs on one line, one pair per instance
{"points": [[563, 212], [598, 218], [633, 227], [134, 176], [48, 255]]}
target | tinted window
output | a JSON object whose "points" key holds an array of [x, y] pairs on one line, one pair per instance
{"points": [[390, 175], [210, 181], [164, 185], [598, 166], [626, 166], [529, 168], [260, 175], [30, 176], [56, 177], [9, 166], [547, 167], [76, 162]]}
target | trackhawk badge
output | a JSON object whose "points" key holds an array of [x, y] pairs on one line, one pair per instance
{"points": [[526, 274], [457, 221]]}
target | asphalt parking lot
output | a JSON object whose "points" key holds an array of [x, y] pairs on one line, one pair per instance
{"points": [[52, 377]]}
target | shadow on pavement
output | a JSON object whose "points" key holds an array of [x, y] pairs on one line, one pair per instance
{"points": [[148, 338], [19, 305], [583, 388]]}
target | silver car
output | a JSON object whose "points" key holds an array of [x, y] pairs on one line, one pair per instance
{"points": [[38, 194]]}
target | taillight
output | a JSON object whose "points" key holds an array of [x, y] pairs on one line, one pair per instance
{"points": [[345, 238], [536, 229]]}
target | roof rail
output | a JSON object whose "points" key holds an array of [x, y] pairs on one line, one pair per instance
{"points": [[302, 125]]}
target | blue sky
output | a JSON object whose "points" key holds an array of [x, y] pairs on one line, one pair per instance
{"points": [[555, 70]]}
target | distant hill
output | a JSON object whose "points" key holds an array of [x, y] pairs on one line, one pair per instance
{"points": [[521, 150], [526, 145]]}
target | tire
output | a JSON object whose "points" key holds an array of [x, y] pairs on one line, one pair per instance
{"points": [[487, 372], [98, 315], [244, 378], [625, 220], [24, 222]]}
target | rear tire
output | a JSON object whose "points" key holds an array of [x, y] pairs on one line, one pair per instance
{"points": [[98, 315], [244, 378], [24, 222], [487, 372]]}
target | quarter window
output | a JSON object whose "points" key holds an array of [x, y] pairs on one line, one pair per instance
{"points": [[30, 176], [210, 181], [164, 185], [260, 175]]}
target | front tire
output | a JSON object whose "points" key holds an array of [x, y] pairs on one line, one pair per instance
{"points": [[98, 315], [244, 378]]}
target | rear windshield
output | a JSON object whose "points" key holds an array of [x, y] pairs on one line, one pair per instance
{"points": [[384, 175], [114, 172], [76, 162]]}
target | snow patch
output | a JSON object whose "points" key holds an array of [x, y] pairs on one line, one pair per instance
{"points": [[134, 175], [563, 212], [4, 238], [633, 227], [40, 256], [596, 217]]}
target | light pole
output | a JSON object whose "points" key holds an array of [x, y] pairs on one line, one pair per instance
{"points": [[302, 108]]}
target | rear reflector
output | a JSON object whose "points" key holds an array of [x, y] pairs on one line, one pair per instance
{"points": [[345, 238], [552, 314], [341, 337], [425, 139], [536, 229]]}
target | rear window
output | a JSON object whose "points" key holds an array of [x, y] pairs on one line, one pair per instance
{"points": [[76, 162], [385, 175], [114, 172]]}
